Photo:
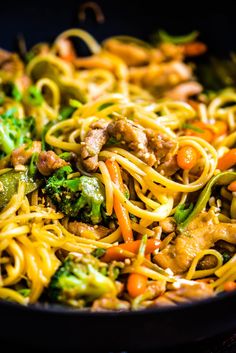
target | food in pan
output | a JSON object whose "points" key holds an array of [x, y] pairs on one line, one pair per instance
{"points": [[117, 174]]}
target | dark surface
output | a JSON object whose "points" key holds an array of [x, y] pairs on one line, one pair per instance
{"points": [[43, 20], [65, 331], [220, 344], [58, 329]]}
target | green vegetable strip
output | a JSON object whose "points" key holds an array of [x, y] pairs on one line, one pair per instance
{"points": [[224, 178], [167, 38]]}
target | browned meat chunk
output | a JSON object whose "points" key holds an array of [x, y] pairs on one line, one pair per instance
{"points": [[164, 75], [92, 145], [48, 162], [23, 154], [134, 137], [153, 148], [163, 148], [88, 231], [184, 90], [202, 233]]}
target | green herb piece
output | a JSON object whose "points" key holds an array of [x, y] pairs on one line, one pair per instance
{"points": [[226, 257], [33, 164], [16, 93], [34, 96], [105, 105], [24, 291], [74, 103], [112, 141], [192, 127], [99, 252], [182, 212], [66, 112]]}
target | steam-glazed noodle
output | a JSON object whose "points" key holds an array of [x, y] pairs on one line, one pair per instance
{"points": [[117, 182]]}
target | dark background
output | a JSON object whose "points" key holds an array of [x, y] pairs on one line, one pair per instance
{"points": [[43, 20]]}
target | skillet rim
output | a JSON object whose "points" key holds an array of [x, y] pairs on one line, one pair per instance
{"points": [[57, 309]]}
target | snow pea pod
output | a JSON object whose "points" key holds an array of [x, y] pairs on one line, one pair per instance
{"points": [[9, 183]]}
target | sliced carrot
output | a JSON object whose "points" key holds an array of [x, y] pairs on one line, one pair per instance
{"points": [[187, 157], [204, 131], [194, 48], [232, 186], [136, 284], [228, 160], [126, 250], [121, 212], [229, 286], [219, 128]]}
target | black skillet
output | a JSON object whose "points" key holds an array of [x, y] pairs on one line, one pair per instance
{"points": [[62, 329]]}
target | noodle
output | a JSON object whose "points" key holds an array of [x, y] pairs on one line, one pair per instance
{"points": [[112, 168]]}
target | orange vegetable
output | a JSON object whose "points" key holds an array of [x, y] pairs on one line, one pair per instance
{"points": [[229, 286], [136, 284], [194, 48], [125, 250], [232, 186], [121, 212], [187, 157], [228, 160], [204, 131], [219, 128]]}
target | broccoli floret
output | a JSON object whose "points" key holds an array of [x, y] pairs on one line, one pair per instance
{"points": [[76, 197], [14, 132], [79, 281]]}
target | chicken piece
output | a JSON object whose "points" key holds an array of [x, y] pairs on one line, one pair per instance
{"points": [[184, 90], [164, 75], [92, 145], [134, 137], [133, 55], [168, 225], [112, 303], [164, 151], [48, 162], [88, 231], [22, 154], [185, 291], [151, 147], [202, 233], [161, 145]]}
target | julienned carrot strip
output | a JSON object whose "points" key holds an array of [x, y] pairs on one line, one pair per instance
{"points": [[121, 212], [206, 131], [219, 128], [228, 160], [202, 130], [232, 186], [126, 250], [136, 284]]}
